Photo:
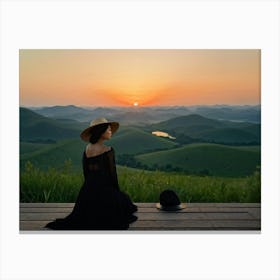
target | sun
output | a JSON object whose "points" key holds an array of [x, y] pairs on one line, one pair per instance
{"points": [[135, 104]]}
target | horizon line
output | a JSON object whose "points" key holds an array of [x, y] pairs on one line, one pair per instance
{"points": [[136, 107]]}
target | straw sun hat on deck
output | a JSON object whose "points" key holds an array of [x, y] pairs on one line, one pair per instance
{"points": [[85, 134]]}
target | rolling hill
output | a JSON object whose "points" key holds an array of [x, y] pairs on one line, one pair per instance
{"points": [[34, 126], [202, 129], [228, 135], [54, 155], [212, 159], [134, 141]]}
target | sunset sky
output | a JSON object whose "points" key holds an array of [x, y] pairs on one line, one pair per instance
{"points": [[139, 77]]}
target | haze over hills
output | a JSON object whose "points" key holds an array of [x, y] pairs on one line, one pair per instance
{"points": [[232, 113], [74, 112], [144, 115]]}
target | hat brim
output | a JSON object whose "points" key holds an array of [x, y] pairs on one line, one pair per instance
{"points": [[171, 208], [86, 133]]}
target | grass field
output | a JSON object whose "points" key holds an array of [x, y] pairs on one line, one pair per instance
{"points": [[143, 186], [204, 158]]}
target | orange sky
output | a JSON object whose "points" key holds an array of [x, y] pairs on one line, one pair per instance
{"points": [[148, 77]]}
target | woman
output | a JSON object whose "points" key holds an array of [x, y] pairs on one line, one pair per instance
{"points": [[100, 204]]}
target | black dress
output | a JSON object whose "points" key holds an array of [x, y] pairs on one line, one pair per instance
{"points": [[100, 204]]}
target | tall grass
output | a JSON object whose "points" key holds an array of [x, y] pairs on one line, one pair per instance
{"points": [[49, 186], [142, 186]]}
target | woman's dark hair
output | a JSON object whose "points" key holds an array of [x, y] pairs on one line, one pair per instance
{"points": [[97, 131]]}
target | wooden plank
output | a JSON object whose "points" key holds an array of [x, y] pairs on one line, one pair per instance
{"points": [[230, 204], [152, 205], [224, 209], [194, 224], [255, 213], [41, 216], [45, 210], [228, 216], [171, 225], [208, 205], [141, 216], [202, 210], [33, 225], [150, 216], [157, 226], [48, 205], [68, 210], [195, 216], [39, 226], [140, 225], [71, 205], [240, 224], [153, 209]]}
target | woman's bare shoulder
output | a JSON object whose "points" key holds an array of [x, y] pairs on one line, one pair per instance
{"points": [[92, 150]]}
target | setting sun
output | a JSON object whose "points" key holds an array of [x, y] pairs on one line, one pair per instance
{"points": [[135, 104]]}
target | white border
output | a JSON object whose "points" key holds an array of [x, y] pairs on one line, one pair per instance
{"points": [[140, 24]]}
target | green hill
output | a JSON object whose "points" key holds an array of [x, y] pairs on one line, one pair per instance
{"points": [[134, 141], [27, 148], [36, 127], [208, 159], [190, 121], [195, 128], [54, 155], [227, 135]]}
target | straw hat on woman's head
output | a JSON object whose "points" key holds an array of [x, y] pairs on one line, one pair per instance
{"points": [[86, 134]]}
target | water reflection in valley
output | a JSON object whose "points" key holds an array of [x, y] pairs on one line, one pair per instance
{"points": [[163, 134]]}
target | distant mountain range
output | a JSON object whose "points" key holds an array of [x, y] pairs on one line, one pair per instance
{"points": [[149, 115], [74, 112], [186, 129]]}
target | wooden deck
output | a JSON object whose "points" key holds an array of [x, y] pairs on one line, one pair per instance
{"points": [[196, 216]]}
